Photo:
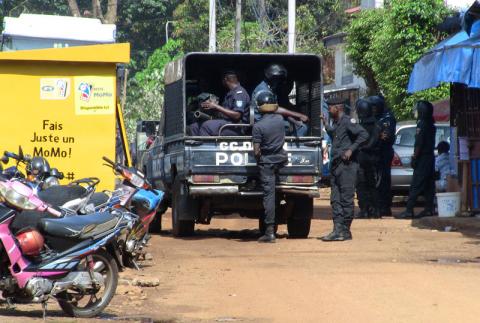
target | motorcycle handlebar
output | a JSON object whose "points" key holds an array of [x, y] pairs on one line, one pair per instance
{"points": [[12, 155], [108, 161]]}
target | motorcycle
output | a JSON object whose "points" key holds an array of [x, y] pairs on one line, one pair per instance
{"points": [[142, 200], [70, 259]]}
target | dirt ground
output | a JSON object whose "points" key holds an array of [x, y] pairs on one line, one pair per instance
{"points": [[390, 272]]}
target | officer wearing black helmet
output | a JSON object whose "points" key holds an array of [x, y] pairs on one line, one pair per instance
{"points": [[347, 136], [268, 140], [367, 161], [423, 162], [387, 123], [275, 81]]}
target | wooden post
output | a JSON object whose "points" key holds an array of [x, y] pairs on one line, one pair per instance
{"points": [[238, 26], [465, 187]]}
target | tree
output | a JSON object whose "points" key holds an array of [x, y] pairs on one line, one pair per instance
{"points": [[145, 90], [359, 38], [385, 44], [96, 10]]}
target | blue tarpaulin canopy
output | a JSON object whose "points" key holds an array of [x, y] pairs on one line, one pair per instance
{"points": [[454, 60]]}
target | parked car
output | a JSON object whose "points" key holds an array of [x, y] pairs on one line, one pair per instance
{"points": [[402, 170]]}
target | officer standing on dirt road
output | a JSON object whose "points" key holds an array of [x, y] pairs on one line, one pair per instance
{"points": [[347, 135], [268, 140], [423, 162], [367, 162], [388, 124]]}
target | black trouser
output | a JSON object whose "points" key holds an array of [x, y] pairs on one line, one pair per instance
{"points": [[384, 190], [343, 178], [268, 176], [366, 187], [423, 182]]}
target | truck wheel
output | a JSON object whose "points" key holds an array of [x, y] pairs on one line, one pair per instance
{"points": [[298, 224], [182, 207]]}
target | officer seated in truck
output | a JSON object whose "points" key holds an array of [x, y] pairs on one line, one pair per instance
{"points": [[276, 81], [233, 110]]}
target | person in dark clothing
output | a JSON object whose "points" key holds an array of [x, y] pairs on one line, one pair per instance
{"points": [[387, 123], [268, 140], [423, 162], [368, 160], [347, 136], [234, 109], [276, 82]]}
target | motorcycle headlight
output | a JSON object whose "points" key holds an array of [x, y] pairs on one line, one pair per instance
{"points": [[19, 200], [137, 180]]}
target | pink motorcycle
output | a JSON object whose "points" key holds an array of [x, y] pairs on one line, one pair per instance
{"points": [[69, 259]]}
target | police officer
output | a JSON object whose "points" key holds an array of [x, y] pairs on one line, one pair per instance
{"points": [[234, 109], [268, 140], [423, 162], [276, 81], [347, 136], [367, 161], [387, 122]]}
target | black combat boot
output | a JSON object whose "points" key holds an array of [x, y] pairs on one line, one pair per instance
{"points": [[423, 214], [407, 214], [341, 232], [373, 213], [269, 236], [363, 214], [331, 234]]}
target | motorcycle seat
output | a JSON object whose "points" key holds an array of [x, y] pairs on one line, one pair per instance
{"points": [[78, 227], [99, 198], [60, 194]]}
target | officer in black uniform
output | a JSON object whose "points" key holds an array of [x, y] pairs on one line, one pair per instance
{"points": [[347, 136], [234, 109], [388, 123], [423, 162], [268, 140], [367, 161]]}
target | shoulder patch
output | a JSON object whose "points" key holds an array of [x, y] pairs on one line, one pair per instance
{"points": [[239, 104], [239, 92], [353, 120]]}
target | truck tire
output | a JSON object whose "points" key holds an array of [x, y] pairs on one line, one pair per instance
{"points": [[183, 206], [298, 224]]}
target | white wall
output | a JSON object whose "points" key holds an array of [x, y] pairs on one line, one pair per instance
{"points": [[459, 4]]}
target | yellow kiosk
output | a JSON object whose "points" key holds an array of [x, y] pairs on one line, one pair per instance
{"points": [[61, 103]]}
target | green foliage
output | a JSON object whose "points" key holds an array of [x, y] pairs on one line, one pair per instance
{"points": [[145, 90], [384, 44]]}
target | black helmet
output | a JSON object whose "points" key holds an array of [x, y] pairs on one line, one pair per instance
{"points": [[38, 166], [275, 71], [266, 102], [364, 109], [425, 110], [378, 104]]}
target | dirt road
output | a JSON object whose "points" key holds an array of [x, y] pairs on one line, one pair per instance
{"points": [[390, 272]]}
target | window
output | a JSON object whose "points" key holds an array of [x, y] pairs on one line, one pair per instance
{"points": [[347, 69], [406, 137]]}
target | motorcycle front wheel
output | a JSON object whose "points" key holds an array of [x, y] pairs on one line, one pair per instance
{"points": [[78, 304]]}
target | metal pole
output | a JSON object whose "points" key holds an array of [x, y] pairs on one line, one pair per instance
{"points": [[238, 26], [291, 26], [212, 39], [166, 30]]}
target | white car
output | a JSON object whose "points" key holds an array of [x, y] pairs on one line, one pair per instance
{"points": [[402, 170]]}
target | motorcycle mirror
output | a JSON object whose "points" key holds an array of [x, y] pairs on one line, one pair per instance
{"points": [[5, 159], [20, 152]]}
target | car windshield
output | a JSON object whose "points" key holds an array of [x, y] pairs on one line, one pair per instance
{"points": [[406, 136]]}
